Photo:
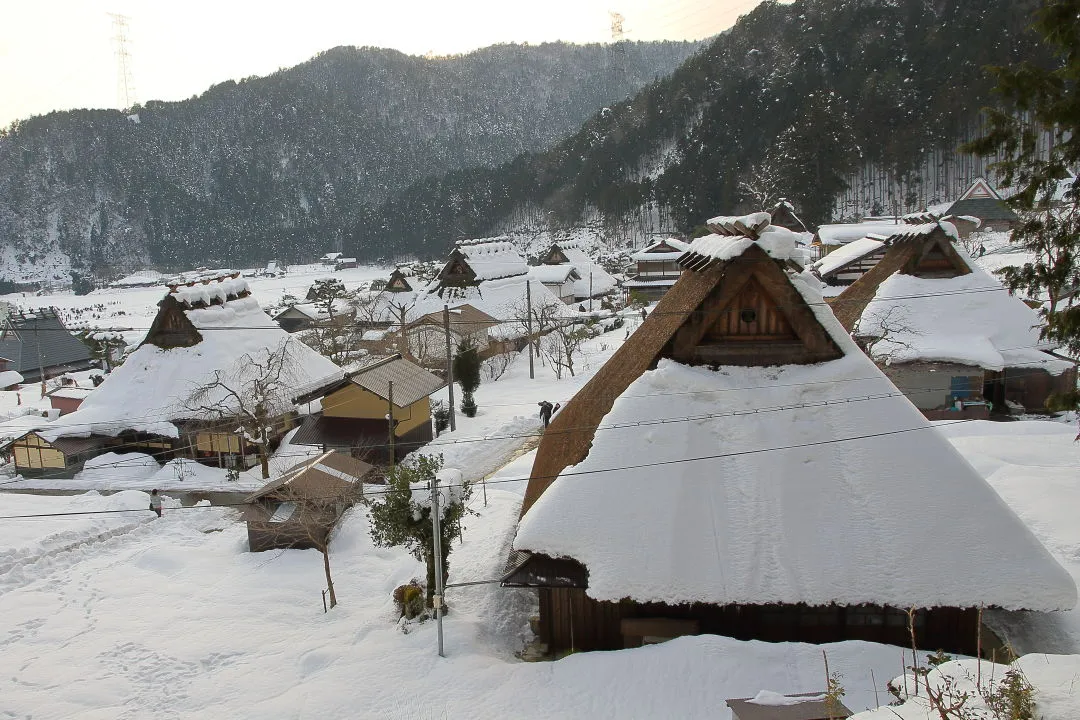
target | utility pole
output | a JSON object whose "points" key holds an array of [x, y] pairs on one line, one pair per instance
{"points": [[528, 324], [390, 418], [436, 526], [590, 291], [449, 365]]}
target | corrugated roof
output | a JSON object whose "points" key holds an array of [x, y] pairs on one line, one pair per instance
{"points": [[983, 208], [39, 339], [330, 474], [411, 382]]}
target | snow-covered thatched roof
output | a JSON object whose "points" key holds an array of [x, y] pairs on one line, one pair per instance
{"points": [[199, 329], [746, 483], [964, 316], [493, 258], [594, 279]]}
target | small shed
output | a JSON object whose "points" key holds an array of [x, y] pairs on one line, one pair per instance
{"points": [[300, 508], [561, 280], [345, 263], [67, 399], [36, 456], [775, 706]]}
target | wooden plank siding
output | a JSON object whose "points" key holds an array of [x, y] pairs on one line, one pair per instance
{"points": [[572, 621]]}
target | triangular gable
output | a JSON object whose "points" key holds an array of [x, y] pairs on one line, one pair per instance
{"points": [[171, 327], [923, 254], [398, 282], [555, 256], [980, 190], [754, 316], [662, 247], [688, 317], [936, 258], [457, 271]]}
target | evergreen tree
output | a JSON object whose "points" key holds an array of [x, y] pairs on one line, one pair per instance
{"points": [[1039, 99], [403, 515], [467, 375]]}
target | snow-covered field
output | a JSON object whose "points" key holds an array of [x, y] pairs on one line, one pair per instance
{"points": [[118, 614]]}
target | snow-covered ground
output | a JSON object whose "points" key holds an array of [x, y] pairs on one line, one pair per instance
{"points": [[122, 615], [125, 616], [132, 309]]}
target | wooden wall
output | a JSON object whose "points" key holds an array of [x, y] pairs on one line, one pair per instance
{"points": [[570, 620]]}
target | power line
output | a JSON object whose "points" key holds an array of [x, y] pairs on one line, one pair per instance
{"points": [[574, 473]]}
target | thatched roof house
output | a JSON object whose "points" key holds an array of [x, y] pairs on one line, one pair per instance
{"points": [[947, 332], [982, 201], [740, 467], [592, 279], [399, 281], [204, 329], [300, 508], [783, 215]]}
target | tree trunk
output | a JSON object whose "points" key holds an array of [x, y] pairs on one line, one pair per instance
{"points": [[429, 590], [264, 455], [329, 580]]}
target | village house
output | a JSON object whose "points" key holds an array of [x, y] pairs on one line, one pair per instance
{"points": [[947, 333], [493, 277], [37, 345], [399, 281], [9, 379], [592, 279], [783, 215], [345, 263], [830, 238], [982, 201], [298, 316], [356, 409], [656, 268], [301, 508], [205, 330], [331, 258], [850, 262], [67, 398], [559, 279], [427, 334], [740, 467]]}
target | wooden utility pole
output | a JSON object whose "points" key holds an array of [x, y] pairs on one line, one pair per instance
{"points": [[449, 365], [528, 324], [390, 418]]}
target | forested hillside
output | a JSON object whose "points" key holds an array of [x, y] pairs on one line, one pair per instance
{"points": [[283, 166], [816, 101]]}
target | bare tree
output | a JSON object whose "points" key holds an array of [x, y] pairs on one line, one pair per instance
{"points": [[545, 316], [761, 185], [563, 345], [251, 395], [884, 335], [314, 519]]}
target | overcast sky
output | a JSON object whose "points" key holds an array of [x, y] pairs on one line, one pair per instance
{"points": [[60, 54]]}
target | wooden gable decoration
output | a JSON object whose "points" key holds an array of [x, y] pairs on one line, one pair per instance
{"points": [[457, 272], [935, 258], [754, 316], [555, 256], [171, 327], [980, 190], [398, 282]]}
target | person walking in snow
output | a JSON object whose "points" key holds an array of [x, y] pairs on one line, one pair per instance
{"points": [[155, 502], [546, 409]]}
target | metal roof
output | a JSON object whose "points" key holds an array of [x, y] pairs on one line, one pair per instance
{"points": [[410, 381], [40, 340]]}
